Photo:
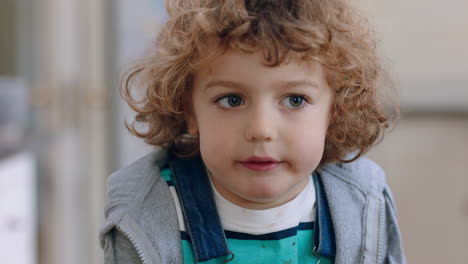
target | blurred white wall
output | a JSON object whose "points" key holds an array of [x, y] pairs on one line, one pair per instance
{"points": [[18, 227]]}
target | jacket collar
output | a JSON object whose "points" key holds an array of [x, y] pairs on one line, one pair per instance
{"points": [[204, 225]]}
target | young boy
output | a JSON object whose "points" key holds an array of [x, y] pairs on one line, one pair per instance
{"points": [[262, 110]]}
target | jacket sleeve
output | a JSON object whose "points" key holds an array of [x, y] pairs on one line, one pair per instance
{"points": [[394, 251], [118, 249]]}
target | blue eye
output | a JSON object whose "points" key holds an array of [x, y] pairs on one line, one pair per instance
{"points": [[230, 101], [293, 101]]}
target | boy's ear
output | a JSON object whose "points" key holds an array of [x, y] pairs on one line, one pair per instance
{"points": [[191, 121], [189, 114]]}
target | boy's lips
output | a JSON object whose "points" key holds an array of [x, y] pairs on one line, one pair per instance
{"points": [[261, 163]]}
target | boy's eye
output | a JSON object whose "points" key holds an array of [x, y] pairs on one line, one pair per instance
{"points": [[293, 101], [230, 101]]}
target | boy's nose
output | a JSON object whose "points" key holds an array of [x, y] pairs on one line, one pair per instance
{"points": [[260, 126]]}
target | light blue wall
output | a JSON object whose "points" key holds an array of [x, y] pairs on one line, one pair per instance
{"points": [[137, 25]]}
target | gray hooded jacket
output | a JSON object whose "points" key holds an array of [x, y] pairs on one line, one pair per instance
{"points": [[356, 215]]}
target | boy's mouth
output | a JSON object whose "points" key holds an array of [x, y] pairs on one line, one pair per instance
{"points": [[261, 163]]}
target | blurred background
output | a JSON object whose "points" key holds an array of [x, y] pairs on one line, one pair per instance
{"points": [[62, 132]]}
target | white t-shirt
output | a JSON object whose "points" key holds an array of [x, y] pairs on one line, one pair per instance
{"points": [[257, 222]]}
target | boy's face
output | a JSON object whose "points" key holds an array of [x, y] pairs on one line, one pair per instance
{"points": [[262, 129]]}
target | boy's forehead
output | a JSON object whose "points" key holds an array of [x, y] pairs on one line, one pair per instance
{"points": [[213, 47], [235, 66], [233, 57]]}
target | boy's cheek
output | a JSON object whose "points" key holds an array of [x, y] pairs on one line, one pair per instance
{"points": [[215, 142], [310, 147]]}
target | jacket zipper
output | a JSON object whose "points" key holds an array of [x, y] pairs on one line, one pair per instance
{"points": [[316, 227], [314, 252], [132, 241]]}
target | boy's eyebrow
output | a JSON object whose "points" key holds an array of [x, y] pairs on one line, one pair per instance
{"points": [[223, 83], [279, 84], [295, 83]]}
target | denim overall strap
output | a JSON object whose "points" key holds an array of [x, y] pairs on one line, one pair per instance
{"points": [[199, 208], [324, 235]]}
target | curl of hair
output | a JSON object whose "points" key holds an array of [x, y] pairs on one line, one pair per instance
{"points": [[330, 31]]}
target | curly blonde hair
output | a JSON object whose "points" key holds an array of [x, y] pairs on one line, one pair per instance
{"points": [[329, 31]]}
